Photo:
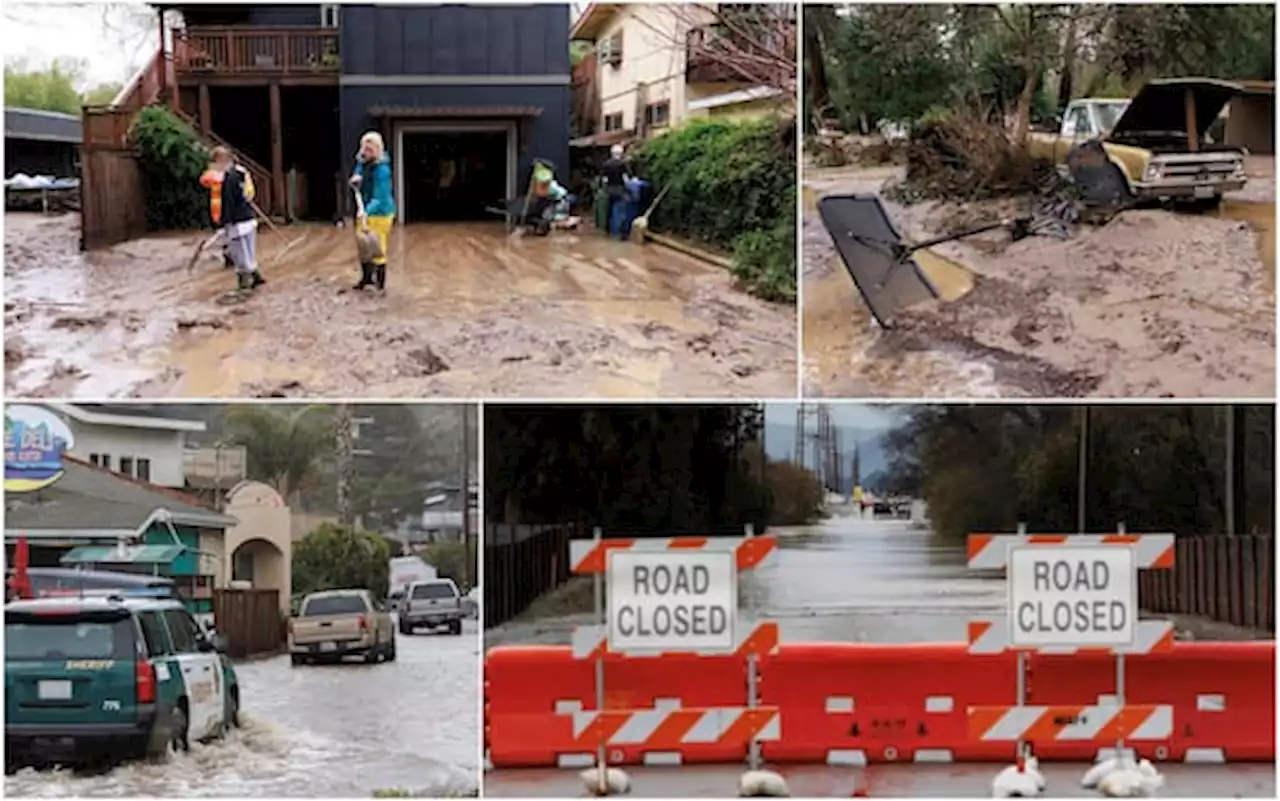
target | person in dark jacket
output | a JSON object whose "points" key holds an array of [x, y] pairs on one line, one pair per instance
{"points": [[616, 173], [231, 207]]}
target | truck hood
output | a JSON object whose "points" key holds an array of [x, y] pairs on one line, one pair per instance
{"points": [[1159, 106]]}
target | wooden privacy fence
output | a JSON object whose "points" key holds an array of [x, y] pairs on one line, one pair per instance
{"points": [[1230, 579], [521, 563], [250, 620], [113, 205]]}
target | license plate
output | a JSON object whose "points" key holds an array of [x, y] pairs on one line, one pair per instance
{"points": [[328, 646], [51, 690], [1204, 192]]}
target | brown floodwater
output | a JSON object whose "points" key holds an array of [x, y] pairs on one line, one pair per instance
{"points": [[468, 311]]}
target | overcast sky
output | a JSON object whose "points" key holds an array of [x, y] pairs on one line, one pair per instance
{"points": [[112, 40], [844, 415]]}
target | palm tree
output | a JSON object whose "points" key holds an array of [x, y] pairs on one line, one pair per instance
{"points": [[285, 446]]}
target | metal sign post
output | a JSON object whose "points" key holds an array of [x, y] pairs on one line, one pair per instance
{"points": [[1120, 667], [598, 580], [753, 748]]}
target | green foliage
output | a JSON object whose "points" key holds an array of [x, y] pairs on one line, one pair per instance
{"points": [[1155, 468], [452, 560], [732, 186], [172, 159], [797, 494], [653, 469], [286, 446], [54, 88], [332, 557]]}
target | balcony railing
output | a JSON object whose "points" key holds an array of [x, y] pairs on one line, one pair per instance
{"points": [[256, 51], [711, 49]]}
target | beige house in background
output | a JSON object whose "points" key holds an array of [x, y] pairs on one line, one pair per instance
{"points": [[648, 76], [258, 551]]}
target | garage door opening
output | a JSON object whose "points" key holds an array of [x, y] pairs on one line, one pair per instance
{"points": [[453, 175]]}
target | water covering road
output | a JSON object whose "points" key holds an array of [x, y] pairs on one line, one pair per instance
{"points": [[852, 580], [346, 730]]}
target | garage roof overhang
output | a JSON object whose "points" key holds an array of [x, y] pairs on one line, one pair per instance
{"points": [[455, 112]]}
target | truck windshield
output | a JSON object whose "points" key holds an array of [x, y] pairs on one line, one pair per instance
{"points": [[334, 605], [1110, 113]]}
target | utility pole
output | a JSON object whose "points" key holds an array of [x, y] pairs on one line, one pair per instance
{"points": [[344, 432], [466, 497], [1084, 469]]}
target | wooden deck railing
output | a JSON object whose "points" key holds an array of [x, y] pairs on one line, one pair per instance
{"points": [[256, 51], [711, 50]]}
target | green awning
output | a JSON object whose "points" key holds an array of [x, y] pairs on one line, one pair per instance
{"points": [[134, 554]]}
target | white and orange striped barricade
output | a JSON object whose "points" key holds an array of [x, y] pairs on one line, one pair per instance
{"points": [[668, 596], [1070, 594]]}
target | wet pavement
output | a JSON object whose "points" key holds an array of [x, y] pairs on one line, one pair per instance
{"points": [[469, 311], [1155, 303], [856, 580], [322, 731]]}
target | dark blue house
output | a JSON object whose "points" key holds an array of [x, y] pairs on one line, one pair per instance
{"points": [[465, 97]]}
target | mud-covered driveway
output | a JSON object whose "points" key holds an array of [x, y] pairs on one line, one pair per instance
{"points": [[469, 311], [1153, 304]]}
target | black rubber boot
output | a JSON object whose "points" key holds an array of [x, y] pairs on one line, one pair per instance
{"points": [[366, 277], [256, 280], [380, 277], [244, 282]]}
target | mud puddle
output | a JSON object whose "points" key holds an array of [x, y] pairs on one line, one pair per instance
{"points": [[1156, 303], [468, 311]]}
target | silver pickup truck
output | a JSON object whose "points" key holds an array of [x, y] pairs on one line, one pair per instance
{"points": [[432, 604]]}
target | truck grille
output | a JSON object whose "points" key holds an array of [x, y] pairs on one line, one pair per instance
{"points": [[1202, 170]]}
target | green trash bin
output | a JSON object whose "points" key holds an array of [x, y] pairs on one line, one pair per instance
{"points": [[601, 208]]}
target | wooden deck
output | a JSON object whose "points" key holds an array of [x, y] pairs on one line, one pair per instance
{"points": [[255, 54]]}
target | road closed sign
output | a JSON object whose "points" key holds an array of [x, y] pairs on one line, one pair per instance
{"points": [[1072, 597], [673, 600]]}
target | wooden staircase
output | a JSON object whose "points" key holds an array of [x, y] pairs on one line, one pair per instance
{"points": [[146, 89]]}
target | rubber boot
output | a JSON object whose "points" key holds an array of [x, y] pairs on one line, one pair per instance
{"points": [[244, 282], [366, 276], [380, 277], [256, 279]]}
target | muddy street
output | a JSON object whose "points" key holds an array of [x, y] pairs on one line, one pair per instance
{"points": [[333, 730], [1155, 303], [469, 311]]}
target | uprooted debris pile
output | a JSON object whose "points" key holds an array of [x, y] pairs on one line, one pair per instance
{"points": [[961, 159], [838, 149]]}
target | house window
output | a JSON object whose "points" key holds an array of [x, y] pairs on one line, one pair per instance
{"points": [[102, 460], [658, 115], [611, 50], [329, 15], [126, 465], [144, 469], [613, 122]]}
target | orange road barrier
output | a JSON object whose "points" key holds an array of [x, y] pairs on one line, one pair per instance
{"points": [[590, 556], [992, 637], [992, 550], [1091, 724], [590, 642]]}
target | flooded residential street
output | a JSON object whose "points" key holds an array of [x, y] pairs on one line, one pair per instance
{"points": [[852, 580], [469, 311], [345, 730], [1155, 303]]}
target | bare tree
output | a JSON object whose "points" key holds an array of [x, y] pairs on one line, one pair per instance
{"points": [[748, 43]]}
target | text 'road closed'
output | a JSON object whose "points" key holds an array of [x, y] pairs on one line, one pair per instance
{"points": [[1072, 597], [671, 601]]}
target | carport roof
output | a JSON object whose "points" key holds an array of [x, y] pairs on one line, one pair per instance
{"points": [[39, 125], [455, 112]]}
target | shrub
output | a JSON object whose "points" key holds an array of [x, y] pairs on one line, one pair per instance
{"points": [[732, 187], [171, 158]]}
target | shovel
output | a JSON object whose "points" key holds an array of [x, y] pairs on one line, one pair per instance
{"points": [[367, 244]]}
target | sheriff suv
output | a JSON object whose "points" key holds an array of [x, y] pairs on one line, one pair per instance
{"points": [[110, 678]]}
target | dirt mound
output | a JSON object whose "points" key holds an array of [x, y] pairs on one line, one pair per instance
{"points": [[964, 159]]}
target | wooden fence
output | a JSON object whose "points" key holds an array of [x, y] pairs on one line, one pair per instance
{"points": [[1230, 579], [521, 563], [112, 202], [250, 620]]}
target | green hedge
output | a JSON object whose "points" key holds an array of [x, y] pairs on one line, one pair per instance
{"points": [[172, 159], [733, 187]]}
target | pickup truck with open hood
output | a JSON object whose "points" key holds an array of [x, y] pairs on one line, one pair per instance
{"points": [[1153, 147]]}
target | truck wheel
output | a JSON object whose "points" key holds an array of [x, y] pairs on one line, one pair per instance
{"points": [[455, 627], [405, 628], [391, 651], [372, 655], [297, 659]]}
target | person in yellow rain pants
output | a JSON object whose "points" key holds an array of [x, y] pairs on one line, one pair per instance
{"points": [[372, 178]]}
